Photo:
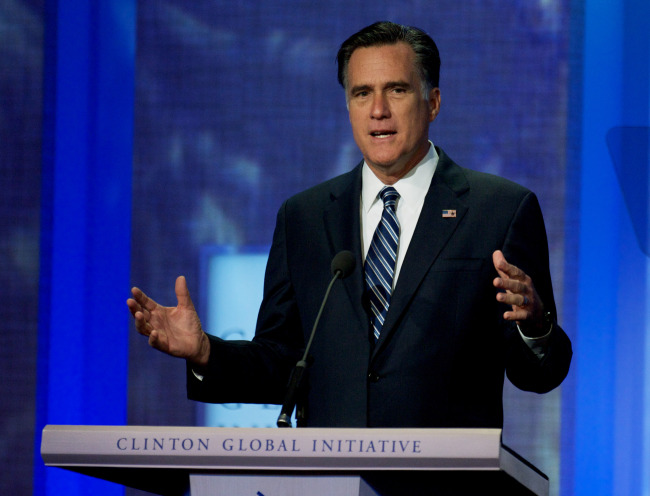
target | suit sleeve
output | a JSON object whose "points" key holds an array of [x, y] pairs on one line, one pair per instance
{"points": [[257, 371], [526, 246]]}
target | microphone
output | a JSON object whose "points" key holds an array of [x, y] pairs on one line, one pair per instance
{"points": [[342, 266], [344, 263]]}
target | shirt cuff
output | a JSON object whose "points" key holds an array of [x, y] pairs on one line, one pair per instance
{"points": [[538, 345]]}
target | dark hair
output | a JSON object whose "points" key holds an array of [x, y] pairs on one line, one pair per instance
{"points": [[427, 57]]}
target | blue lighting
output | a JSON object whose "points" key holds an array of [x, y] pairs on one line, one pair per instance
{"points": [[86, 211]]}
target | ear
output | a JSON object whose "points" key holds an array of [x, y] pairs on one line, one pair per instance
{"points": [[434, 103]]}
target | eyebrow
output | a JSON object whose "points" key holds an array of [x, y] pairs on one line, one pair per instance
{"points": [[388, 85], [362, 87]]}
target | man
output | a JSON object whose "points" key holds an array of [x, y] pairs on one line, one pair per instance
{"points": [[452, 287]]}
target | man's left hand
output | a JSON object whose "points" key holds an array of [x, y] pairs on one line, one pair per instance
{"points": [[519, 292]]}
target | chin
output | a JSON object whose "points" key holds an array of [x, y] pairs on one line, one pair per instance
{"points": [[384, 159]]}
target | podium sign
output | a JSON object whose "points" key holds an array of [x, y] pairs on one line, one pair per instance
{"points": [[270, 461]]}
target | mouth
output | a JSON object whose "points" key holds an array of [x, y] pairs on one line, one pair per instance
{"points": [[382, 134]]}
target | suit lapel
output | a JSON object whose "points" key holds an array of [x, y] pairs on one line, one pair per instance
{"points": [[343, 229], [432, 233]]}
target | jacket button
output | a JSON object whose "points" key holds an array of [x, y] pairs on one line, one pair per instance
{"points": [[373, 376]]}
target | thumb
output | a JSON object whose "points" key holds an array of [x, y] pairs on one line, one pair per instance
{"points": [[182, 293]]}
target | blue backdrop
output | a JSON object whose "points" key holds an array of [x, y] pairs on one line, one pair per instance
{"points": [[137, 135]]}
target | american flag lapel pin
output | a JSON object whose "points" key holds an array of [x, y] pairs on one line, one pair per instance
{"points": [[448, 214]]}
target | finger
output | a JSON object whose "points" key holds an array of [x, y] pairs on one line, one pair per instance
{"points": [[154, 340], [516, 300], [183, 293], [506, 269], [143, 299], [516, 315], [499, 261], [133, 306], [511, 285], [141, 324], [139, 315]]}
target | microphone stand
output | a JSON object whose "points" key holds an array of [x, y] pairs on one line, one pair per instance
{"points": [[284, 420]]}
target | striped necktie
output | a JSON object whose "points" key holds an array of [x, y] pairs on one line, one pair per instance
{"points": [[380, 261]]}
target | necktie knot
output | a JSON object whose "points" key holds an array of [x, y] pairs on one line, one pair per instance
{"points": [[389, 196]]}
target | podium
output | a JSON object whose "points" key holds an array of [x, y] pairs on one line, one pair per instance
{"points": [[309, 461]]}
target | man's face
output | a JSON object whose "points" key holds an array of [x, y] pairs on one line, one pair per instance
{"points": [[389, 115]]}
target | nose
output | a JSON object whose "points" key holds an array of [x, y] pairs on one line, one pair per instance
{"points": [[380, 108]]}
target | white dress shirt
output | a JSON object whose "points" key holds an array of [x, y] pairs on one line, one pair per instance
{"points": [[412, 188]]}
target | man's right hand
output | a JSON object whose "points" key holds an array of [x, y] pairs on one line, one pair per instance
{"points": [[176, 330]]}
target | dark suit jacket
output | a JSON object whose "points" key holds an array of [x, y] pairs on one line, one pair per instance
{"points": [[444, 347]]}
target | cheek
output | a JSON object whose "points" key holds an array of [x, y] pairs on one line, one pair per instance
{"points": [[358, 135], [355, 122], [419, 121]]}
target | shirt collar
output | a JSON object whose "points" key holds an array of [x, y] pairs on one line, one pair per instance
{"points": [[412, 188]]}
